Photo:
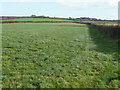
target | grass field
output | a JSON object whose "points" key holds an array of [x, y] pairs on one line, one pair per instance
{"points": [[58, 56], [36, 19]]}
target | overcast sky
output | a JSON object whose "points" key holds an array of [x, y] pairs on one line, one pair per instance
{"points": [[103, 9]]}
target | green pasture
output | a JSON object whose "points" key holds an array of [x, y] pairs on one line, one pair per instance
{"points": [[49, 55]]}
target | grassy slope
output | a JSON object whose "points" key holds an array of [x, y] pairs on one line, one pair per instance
{"points": [[57, 55], [36, 19]]}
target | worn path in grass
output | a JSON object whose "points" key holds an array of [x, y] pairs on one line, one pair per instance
{"points": [[58, 56]]}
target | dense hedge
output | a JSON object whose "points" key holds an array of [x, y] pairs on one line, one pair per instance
{"points": [[112, 30]]}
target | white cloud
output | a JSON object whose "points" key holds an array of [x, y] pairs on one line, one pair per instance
{"points": [[86, 3], [27, 0], [82, 3]]}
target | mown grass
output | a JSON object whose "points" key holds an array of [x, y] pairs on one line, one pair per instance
{"points": [[58, 56], [35, 19]]}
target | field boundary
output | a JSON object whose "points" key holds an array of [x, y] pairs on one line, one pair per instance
{"points": [[40, 22], [112, 30]]}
